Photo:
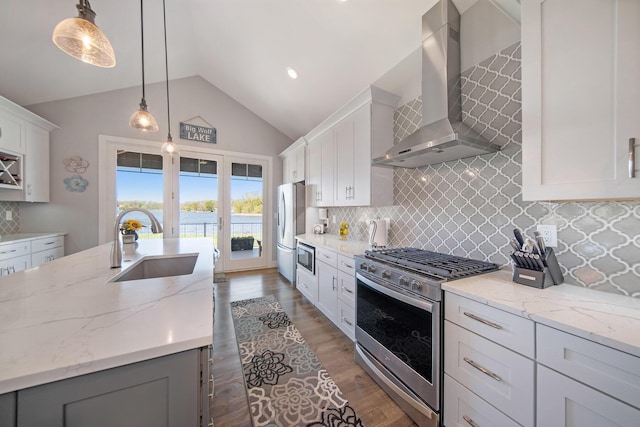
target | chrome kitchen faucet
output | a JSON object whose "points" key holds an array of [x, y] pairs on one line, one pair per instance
{"points": [[116, 250]]}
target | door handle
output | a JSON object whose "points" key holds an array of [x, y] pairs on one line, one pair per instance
{"points": [[632, 157]]}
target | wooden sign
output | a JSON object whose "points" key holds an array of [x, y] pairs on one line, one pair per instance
{"points": [[197, 133]]}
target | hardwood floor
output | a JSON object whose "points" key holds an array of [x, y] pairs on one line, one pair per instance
{"points": [[333, 348]]}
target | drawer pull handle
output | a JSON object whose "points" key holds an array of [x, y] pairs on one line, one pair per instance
{"points": [[50, 243], [326, 256], [469, 421], [346, 265], [347, 322], [8, 252], [481, 320], [347, 290], [481, 369]]}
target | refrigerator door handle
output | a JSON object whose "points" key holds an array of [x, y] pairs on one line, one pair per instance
{"points": [[284, 215]]}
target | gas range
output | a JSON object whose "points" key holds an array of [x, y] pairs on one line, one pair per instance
{"points": [[418, 271]]}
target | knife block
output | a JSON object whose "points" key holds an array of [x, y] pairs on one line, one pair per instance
{"points": [[551, 275]]}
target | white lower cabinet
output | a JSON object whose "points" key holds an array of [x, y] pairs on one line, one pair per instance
{"points": [[307, 284], [502, 377], [15, 257], [583, 383], [25, 254], [13, 265], [564, 402], [332, 289], [463, 408], [577, 382], [347, 296], [46, 250], [328, 290], [488, 364]]}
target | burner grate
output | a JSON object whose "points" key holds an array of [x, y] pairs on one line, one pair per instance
{"points": [[449, 267]]}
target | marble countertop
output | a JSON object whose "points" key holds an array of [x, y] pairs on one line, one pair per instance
{"points": [[606, 318], [335, 243], [16, 237], [64, 318]]}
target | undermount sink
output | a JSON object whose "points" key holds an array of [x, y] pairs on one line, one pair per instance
{"points": [[151, 267]]}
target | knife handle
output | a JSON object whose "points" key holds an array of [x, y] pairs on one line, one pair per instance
{"points": [[541, 245], [518, 235]]}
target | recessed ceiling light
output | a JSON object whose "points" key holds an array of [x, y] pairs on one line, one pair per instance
{"points": [[292, 73]]}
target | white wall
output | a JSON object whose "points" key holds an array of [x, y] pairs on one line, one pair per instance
{"points": [[484, 31], [82, 119]]}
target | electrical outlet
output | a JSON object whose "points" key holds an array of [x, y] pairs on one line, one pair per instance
{"points": [[550, 235], [333, 219], [8, 215]]}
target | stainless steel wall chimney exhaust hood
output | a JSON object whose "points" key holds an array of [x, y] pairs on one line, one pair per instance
{"points": [[443, 136]]}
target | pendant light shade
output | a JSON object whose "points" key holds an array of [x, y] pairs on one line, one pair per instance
{"points": [[142, 119], [82, 39], [168, 147]]}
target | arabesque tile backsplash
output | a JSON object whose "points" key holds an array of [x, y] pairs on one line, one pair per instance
{"points": [[12, 226], [469, 207]]}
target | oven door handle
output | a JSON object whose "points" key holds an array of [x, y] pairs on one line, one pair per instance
{"points": [[397, 295]]}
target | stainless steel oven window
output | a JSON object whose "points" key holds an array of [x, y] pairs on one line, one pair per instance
{"points": [[400, 325]]}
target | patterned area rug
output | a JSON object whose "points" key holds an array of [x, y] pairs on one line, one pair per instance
{"points": [[286, 383]]}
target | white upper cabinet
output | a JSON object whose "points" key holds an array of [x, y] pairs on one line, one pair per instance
{"points": [[320, 176], [11, 132], [293, 162], [340, 172], [26, 134], [36, 165], [580, 92]]}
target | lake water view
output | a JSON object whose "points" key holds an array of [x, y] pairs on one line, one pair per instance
{"points": [[203, 223]]}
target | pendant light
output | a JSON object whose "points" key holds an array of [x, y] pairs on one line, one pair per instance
{"points": [[82, 39], [168, 147], [142, 119]]}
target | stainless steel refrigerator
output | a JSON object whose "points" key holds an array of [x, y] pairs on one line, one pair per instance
{"points": [[291, 211]]}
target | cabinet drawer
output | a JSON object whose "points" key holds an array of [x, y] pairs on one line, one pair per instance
{"points": [[46, 243], [347, 288], [13, 265], [14, 250], [502, 377], [347, 264], [563, 402], [509, 330], [38, 258], [347, 320], [327, 256], [307, 284], [604, 368], [465, 409]]}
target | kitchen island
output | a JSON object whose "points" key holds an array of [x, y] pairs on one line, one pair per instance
{"points": [[65, 322]]}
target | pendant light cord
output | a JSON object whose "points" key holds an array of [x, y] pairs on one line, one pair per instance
{"points": [[166, 66], [142, 37]]}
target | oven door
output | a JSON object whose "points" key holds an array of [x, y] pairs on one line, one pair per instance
{"points": [[306, 257], [403, 334]]}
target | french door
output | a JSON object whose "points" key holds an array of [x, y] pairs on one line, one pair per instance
{"points": [[201, 193]]}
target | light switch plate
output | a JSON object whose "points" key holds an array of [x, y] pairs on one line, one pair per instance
{"points": [[8, 215]]}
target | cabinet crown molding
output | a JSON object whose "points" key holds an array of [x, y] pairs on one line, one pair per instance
{"points": [[370, 94], [24, 114]]}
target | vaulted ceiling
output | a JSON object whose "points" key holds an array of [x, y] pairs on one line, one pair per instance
{"points": [[243, 47]]}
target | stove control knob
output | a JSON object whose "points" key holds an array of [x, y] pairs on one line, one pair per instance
{"points": [[372, 269], [403, 281], [416, 286], [363, 266], [386, 274]]}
